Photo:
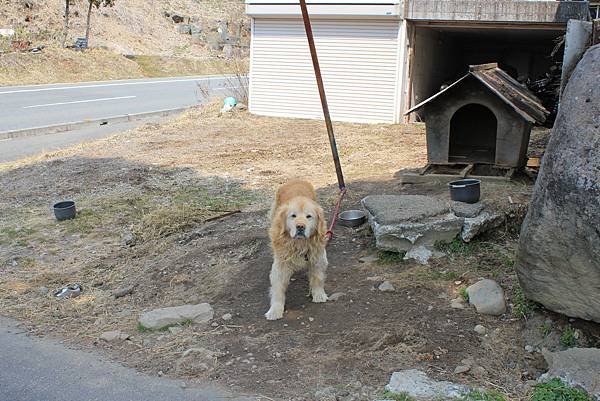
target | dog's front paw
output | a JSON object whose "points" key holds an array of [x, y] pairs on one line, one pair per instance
{"points": [[319, 297], [274, 313]]}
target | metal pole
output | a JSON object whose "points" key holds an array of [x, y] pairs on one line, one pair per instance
{"points": [[315, 61]]}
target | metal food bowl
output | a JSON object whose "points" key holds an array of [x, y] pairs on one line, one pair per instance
{"points": [[352, 218]]}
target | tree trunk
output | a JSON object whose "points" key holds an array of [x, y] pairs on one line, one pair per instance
{"points": [[66, 26], [89, 16]]}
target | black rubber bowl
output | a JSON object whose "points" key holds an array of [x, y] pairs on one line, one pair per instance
{"points": [[468, 190], [64, 210]]}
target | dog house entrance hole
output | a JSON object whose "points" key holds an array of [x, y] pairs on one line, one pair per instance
{"points": [[473, 135]]}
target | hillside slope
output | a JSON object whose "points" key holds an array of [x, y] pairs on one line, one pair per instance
{"points": [[130, 27]]}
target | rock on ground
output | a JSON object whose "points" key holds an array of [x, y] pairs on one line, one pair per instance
{"points": [[116, 335], [457, 303], [479, 329], [474, 226], [369, 259], [558, 261], [402, 222], [336, 296], [386, 286], [195, 361], [422, 254], [487, 297], [164, 317], [578, 367], [418, 385], [462, 209]]}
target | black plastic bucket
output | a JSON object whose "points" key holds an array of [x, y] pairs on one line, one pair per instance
{"points": [[467, 190], [64, 210]]}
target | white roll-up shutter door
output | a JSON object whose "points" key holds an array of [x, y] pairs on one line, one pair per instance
{"points": [[358, 61]]}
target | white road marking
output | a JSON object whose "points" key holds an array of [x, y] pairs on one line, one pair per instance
{"points": [[80, 101], [114, 84]]}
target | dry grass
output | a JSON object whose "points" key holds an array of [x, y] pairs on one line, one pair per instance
{"points": [[260, 151], [56, 65], [157, 66], [160, 180]]}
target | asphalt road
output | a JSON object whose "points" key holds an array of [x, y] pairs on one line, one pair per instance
{"points": [[41, 105], [36, 369], [18, 148]]}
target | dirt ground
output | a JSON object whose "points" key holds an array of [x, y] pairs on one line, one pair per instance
{"points": [[144, 198]]}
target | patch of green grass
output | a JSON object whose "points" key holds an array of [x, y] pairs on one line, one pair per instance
{"points": [[451, 276], [187, 322], [546, 329], [390, 395], [522, 306], [390, 258], [18, 236], [26, 262], [567, 339], [556, 390], [84, 222], [463, 293], [457, 246], [141, 328], [477, 395]]}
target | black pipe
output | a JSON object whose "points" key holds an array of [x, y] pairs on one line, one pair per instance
{"points": [[315, 61]]}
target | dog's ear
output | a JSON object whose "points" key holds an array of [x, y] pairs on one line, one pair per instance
{"points": [[321, 222], [278, 225]]}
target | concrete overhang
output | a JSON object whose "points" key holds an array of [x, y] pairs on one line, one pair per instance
{"points": [[501, 11], [389, 9]]}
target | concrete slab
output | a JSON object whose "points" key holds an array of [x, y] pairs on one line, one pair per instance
{"points": [[411, 223]]}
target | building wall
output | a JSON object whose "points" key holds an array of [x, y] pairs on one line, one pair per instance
{"points": [[512, 135], [359, 65], [429, 64], [496, 11]]}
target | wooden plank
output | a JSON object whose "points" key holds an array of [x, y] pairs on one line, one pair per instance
{"points": [[596, 32], [425, 169], [467, 170], [482, 67], [415, 178]]}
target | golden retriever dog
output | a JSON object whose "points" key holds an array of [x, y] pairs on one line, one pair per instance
{"points": [[297, 235]]}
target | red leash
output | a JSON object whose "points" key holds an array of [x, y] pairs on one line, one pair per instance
{"points": [[329, 234]]}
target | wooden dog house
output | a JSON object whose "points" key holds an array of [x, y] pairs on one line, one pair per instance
{"points": [[483, 118]]}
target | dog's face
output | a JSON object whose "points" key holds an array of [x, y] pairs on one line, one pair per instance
{"points": [[302, 218]]}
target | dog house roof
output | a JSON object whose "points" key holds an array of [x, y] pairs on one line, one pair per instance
{"points": [[517, 96]]}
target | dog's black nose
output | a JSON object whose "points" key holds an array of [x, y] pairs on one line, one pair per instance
{"points": [[300, 229]]}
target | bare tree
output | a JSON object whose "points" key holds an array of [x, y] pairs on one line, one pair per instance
{"points": [[97, 4], [66, 25]]}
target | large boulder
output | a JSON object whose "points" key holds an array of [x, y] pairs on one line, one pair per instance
{"points": [[558, 261]]}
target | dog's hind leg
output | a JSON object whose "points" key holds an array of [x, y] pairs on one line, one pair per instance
{"points": [[316, 278], [280, 278]]}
